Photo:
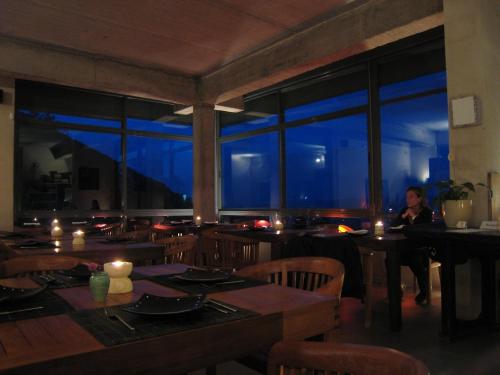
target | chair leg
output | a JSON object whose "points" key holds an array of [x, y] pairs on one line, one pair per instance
{"points": [[429, 283], [368, 263]]}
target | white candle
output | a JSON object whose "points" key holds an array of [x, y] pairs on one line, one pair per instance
{"points": [[56, 231], [55, 223], [197, 220], [119, 272], [79, 237], [278, 225], [379, 228]]}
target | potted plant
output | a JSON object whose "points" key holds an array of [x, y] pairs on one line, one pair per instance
{"points": [[454, 201]]}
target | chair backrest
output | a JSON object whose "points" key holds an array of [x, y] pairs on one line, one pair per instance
{"points": [[228, 251], [179, 249], [323, 275], [38, 264], [328, 358], [143, 235]]}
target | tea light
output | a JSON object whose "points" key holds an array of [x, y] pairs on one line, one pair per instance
{"points": [[79, 237], [379, 228], [56, 231], [197, 220], [119, 281], [278, 225], [55, 223]]}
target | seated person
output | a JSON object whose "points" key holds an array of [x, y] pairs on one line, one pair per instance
{"points": [[416, 212]]}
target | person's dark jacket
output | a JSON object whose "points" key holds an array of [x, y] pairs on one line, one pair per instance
{"points": [[423, 217]]}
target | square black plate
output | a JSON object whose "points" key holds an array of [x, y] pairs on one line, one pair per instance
{"points": [[8, 294], [197, 275]]}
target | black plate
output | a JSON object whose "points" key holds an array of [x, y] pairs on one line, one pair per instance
{"points": [[150, 304], [8, 294], [197, 275], [34, 244], [80, 271]]}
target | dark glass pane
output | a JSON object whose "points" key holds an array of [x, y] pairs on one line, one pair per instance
{"points": [[45, 98], [414, 146], [259, 113], [159, 173], [327, 164], [326, 96], [68, 169], [157, 117], [414, 86], [45, 117], [250, 172]]}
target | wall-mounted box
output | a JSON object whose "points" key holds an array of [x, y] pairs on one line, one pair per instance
{"points": [[465, 111]]}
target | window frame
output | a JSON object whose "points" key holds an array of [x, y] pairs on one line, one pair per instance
{"points": [[368, 61]]}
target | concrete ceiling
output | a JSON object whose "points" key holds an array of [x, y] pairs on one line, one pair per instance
{"points": [[186, 37]]}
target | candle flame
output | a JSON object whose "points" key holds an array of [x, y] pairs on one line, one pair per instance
{"points": [[118, 263]]}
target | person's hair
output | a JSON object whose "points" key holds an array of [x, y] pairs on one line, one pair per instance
{"points": [[419, 192]]}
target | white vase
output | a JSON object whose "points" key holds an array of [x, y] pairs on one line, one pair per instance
{"points": [[457, 210]]}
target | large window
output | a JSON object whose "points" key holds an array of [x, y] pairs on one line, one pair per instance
{"points": [[349, 137], [414, 123], [78, 150]]}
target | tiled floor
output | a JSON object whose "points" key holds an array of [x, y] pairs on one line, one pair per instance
{"points": [[419, 337]]}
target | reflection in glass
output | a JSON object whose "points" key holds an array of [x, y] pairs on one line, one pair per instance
{"points": [[259, 113], [327, 164], [159, 173], [414, 146], [68, 169], [250, 172]]}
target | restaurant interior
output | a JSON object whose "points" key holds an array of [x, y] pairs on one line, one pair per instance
{"points": [[249, 187]]}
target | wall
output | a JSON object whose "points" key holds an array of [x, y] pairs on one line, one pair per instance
{"points": [[7, 154], [472, 39]]}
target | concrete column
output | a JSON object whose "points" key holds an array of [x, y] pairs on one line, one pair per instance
{"points": [[7, 155], [472, 63], [204, 162]]}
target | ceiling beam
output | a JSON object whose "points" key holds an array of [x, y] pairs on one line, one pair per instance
{"points": [[372, 24], [21, 59]]}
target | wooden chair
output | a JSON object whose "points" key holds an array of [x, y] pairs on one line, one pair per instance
{"points": [[179, 249], [228, 251], [143, 235], [321, 275], [329, 358], [38, 264]]}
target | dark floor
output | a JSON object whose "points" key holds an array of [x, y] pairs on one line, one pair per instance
{"points": [[419, 337]]}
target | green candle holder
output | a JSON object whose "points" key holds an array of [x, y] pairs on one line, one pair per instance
{"points": [[99, 286]]}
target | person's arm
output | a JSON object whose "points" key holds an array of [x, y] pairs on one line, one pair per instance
{"points": [[424, 216], [399, 219]]}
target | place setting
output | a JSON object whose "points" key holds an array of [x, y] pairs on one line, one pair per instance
{"points": [[28, 303], [204, 280]]}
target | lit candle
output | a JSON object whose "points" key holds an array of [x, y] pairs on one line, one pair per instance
{"points": [[56, 231], [79, 237], [55, 223], [197, 220], [119, 272], [379, 228], [278, 225]]}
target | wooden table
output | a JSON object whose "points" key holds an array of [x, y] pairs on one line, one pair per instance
{"points": [[277, 239], [96, 249], [454, 247], [390, 243], [58, 345]]}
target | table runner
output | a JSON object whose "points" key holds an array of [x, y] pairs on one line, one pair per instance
{"points": [[62, 281], [112, 332]]}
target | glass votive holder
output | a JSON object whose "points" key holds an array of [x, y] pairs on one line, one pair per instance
{"points": [[119, 272], [56, 232], [78, 238], [379, 228]]}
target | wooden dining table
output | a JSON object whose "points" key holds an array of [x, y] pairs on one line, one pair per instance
{"points": [[57, 344], [96, 248]]}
